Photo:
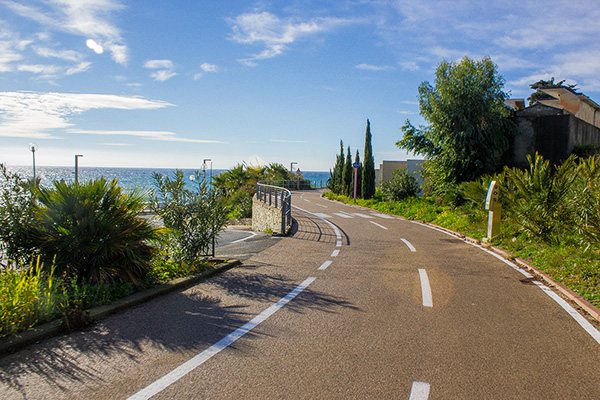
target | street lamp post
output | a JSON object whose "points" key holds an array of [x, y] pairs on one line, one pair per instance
{"points": [[204, 168], [77, 167], [292, 166], [33, 147]]}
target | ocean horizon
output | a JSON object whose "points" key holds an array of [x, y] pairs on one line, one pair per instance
{"points": [[129, 178]]}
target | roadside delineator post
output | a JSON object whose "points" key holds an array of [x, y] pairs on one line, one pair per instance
{"points": [[355, 165], [494, 208]]}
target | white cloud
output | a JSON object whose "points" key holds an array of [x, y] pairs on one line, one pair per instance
{"points": [[409, 65], [68, 55], [115, 144], [36, 114], [205, 67], [90, 19], [162, 75], [376, 68], [276, 34], [81, 67], [159, 64], [38, 69], [95, 46], [165, 69], [148, 135]]}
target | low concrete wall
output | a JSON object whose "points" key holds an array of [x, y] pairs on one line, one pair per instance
{"points": [[265, 217]]}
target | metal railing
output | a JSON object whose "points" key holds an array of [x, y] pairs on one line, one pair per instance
{"points": [[277, 197], [302, 184]]}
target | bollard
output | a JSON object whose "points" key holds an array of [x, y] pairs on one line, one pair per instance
{"points": [[495, 210]]}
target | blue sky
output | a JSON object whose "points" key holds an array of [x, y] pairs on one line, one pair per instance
{"points": [[146, 83]]}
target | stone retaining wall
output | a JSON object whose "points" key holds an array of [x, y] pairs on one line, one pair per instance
{"points": [[266, 217]]}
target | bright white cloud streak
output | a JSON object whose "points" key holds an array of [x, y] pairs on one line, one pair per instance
{"points": [[149, 135], [375, 68], [275, 34], [35, 115]]}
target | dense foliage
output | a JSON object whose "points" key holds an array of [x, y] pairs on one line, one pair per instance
{"points": [[468, 125], [401, 186], [193, 217], [16, 215], [94, 231]]}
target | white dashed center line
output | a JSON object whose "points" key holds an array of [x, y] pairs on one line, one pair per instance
{"points": [[381, 226], [335, 253], [419, 391], [410, 246], [325, 265], [425, 289]]}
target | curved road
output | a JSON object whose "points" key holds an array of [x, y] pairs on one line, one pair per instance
{"points": [[353, 305]]}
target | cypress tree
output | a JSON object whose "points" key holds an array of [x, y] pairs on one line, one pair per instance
{"points": [[358, 176], [347, 183], [368, 175], [338, 171]]}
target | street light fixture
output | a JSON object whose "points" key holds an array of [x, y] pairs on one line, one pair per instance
{"points": [[77, 166], [33, 147], [292, 166], [204, 168]]}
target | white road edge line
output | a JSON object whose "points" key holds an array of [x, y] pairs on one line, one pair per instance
{"points": [[589, 328], [335, 253], [409, 245], [338, 234], [185, 368], [419, 391], [324, 265], [252, 234], [425, 289], [381, 226]]}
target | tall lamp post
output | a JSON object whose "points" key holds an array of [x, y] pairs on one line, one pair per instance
{"points": [[33, 147], [77, 167], [204, 168]]}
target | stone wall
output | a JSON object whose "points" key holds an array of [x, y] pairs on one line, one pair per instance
{"points": [[265, 217]]}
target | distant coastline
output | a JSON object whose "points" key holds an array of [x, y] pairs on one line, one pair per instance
{"points": [[127, 177]]}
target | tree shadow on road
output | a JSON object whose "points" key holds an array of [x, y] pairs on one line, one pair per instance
{"points": [[187, 321], [309, 227]]}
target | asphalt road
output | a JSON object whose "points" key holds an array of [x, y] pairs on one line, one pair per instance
{"points": [[353, 305]]}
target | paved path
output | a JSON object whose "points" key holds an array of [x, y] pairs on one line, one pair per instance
{"points": [[354, 305]]}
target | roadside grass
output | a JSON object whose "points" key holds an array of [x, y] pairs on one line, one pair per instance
{"points": [[29, 298], [568, 262]]}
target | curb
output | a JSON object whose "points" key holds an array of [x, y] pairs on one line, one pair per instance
{"points": [[583, 303], [55, 327]]}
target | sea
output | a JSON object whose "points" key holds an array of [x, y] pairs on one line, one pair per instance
{"points": [[131, 178]]}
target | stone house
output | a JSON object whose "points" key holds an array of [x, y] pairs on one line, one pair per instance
{"points": [[554, 126]]}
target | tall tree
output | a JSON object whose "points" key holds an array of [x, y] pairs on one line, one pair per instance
{"points": [[337, 176], [468, 129], [347, 181], [368, 173], [358, 176]]}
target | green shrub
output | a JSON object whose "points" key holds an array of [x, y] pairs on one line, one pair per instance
{"points": [[26, 298], [194, 217], [537, 197], [585, 202], [16, 216], [94, 231], [401, 186]]}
